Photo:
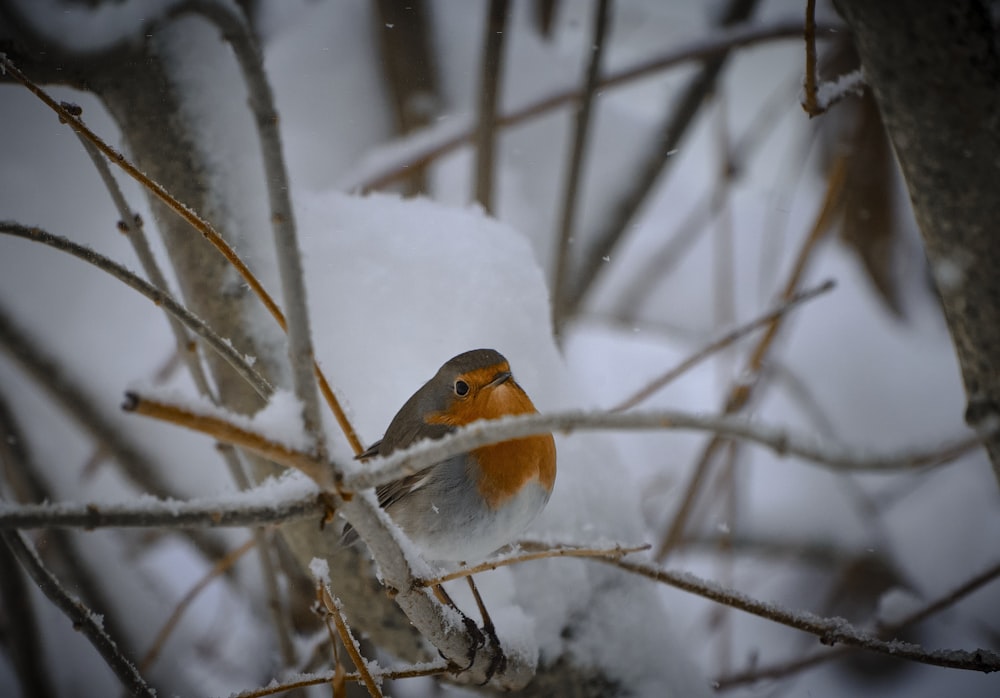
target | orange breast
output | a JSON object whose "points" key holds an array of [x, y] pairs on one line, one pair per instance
{"points": [[508, 466]]}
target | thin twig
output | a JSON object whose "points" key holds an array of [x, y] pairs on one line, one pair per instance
{"points": [[741, 392], [830, 631], [549, 552], [332, 607], [219, 568], [571, 189], [81, 617], [160, 297], [720, 343], [490, 86], [719, 42]]}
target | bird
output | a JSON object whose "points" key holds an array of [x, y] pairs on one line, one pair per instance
{"points": [[466, 507]]}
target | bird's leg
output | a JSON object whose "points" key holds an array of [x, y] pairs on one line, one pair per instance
{"points": [[470, 626], [498, 660]]}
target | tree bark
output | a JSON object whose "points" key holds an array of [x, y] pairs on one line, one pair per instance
{"points": [[934, 69]]}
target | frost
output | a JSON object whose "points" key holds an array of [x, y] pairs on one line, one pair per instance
{"points": [[320, 570], [830, 92]]}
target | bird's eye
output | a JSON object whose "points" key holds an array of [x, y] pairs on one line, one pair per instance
{"points": [[461, 388]]}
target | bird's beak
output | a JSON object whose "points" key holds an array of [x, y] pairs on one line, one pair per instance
{"points": [[501, 377]]}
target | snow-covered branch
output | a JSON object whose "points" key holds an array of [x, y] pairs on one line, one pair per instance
{"points": [[782, 442], [258, 507]]}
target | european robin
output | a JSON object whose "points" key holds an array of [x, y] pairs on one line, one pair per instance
{"points": [[466, 507]]}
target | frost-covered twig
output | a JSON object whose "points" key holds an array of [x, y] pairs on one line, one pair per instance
{"points": [[571, 189], [830, 631], [237, 510], [81, 617], [720, 343], [423, 454], [332, 610], [718, 42], [783, 443], [489, 94], [548, 551], [160, 297]]}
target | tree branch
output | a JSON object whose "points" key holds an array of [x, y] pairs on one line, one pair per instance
{"points": [[82, 618]]}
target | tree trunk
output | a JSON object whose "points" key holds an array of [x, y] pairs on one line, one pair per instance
{"points": [[935, 72]]}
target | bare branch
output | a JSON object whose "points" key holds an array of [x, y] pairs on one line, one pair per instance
{"points": [[82, 618]]}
